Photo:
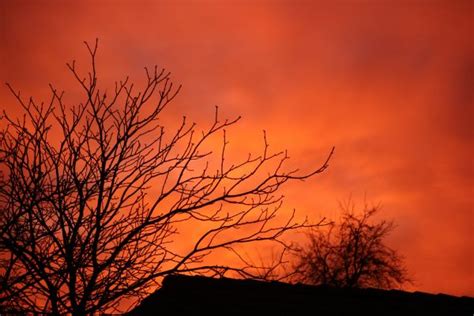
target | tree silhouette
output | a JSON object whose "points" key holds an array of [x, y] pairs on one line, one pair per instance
{"points": [[93, 196], [351, 254]]}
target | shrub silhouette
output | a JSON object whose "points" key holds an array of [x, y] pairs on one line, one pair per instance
{"points": [[92, 196], [351, 254]]}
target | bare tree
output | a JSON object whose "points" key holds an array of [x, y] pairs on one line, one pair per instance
{"points": [[93, 196], [351, 254]]}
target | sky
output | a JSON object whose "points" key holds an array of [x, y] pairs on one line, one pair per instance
{"points": [[388, 83]]}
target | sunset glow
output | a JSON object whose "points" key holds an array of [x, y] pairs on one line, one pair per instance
{"points": [[389, 84]]}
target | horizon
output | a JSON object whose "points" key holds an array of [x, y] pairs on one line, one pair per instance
{"points": [[389, 85]]}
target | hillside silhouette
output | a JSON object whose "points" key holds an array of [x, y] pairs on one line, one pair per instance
{"points": [[202, 295]]}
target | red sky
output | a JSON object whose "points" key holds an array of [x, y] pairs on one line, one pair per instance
{"points": [[389, 83]]}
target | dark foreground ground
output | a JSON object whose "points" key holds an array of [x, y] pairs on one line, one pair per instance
{"points": [[186, 295]]}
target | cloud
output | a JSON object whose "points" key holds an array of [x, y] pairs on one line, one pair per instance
{"points": [[390, 85]]}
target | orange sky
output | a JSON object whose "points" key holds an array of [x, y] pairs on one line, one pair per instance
{"points": [[390, 85]]}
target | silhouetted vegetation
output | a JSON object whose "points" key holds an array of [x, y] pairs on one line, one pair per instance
{"points": [[351, 254], [93, 195]]}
